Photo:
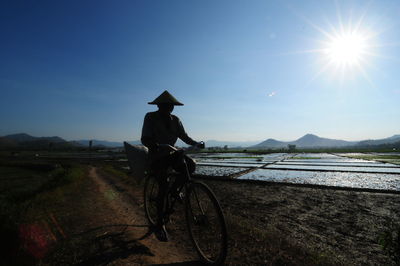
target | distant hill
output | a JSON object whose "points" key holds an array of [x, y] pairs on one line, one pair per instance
{"points": [[392, 139], [307, 141], [25, 141], [311, 141], [23, 137], [20, 137], [271, 143]]}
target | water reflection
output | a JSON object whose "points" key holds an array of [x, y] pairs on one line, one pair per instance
{"points": [[354, 180], [316, 168]]}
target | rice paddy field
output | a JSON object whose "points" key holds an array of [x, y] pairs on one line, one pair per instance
{"points": [[355, 170]]}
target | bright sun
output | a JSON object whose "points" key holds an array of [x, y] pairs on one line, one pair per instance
{"points": [[346, 52], [346, 49]]}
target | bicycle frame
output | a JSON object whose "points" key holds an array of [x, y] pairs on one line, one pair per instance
{"points": [[200, 204], [171, 204]]}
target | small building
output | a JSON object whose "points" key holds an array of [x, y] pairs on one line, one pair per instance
{"points": [[291, 147]]}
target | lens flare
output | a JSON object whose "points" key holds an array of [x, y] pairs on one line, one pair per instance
{"points": [[346, 49]]}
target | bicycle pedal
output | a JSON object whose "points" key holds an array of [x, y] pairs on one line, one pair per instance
{"points": [[179, 197]]}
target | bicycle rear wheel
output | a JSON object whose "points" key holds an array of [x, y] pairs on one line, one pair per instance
{"points": [[151, 187], [206, 224]]}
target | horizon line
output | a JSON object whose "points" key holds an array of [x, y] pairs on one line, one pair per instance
{"points": [[216, 140]]}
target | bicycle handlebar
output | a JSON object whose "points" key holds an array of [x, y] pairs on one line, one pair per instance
{"points": [[201, 145]]}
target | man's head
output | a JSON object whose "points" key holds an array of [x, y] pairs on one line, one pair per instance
{"points": [[165, 108]]}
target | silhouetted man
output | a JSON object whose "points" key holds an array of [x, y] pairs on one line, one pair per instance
{"points": [[160, 132]]}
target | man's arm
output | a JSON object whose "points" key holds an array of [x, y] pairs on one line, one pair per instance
{"points": [[184, 136]]}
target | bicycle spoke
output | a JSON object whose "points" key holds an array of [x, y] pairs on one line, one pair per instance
{"points": [[206, 223]]}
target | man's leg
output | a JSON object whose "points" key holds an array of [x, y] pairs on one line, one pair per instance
{"points": [[162, 190], [160, 171], [185, 166]]}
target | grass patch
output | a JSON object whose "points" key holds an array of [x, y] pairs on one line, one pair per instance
{"points": [[115, 170], [29, 191]]}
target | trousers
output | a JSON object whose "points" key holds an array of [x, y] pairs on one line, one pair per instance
{"points": [[182, 164]]}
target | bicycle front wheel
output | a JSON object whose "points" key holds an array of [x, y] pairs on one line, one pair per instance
{"points": [[206, 224], [151, 187]]}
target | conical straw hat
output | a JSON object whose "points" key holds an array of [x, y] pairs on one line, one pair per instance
{"points": [[166, 97]]}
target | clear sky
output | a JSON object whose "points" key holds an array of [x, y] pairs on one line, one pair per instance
{"points": [[245, 70]]}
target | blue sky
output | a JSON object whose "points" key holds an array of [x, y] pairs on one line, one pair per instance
{"points": [[246, 70]]}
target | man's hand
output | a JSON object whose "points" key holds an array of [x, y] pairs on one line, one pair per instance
{"points": [[200, 145], [154, 147]]}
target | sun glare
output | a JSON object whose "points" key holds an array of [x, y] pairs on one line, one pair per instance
{"points": [[346, 49], [346, 52]]}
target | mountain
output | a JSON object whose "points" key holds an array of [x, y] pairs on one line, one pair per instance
{"points": [[22, 137], [25, 141], [311, 141], [271, 143], [307, 141], [392, 139]]}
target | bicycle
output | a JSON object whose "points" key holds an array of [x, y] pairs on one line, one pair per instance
{"points": [[204, 217]]}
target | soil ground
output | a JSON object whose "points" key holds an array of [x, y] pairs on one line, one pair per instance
{"points": [[269, 224], [343, 225]]}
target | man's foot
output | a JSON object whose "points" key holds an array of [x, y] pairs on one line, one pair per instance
{"points": [[161, 233]]}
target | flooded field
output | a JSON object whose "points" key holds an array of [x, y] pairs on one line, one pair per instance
{"points": [[218, 171], [387, 170], [337, 179], [338, 170]]}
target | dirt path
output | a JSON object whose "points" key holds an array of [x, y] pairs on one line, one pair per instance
{"points": [[127, 207]]}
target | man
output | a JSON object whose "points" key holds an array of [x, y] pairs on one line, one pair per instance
{"points": [[160, 132]]}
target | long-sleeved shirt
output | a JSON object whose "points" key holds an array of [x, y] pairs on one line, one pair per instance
{"points": [[158, 129]]}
